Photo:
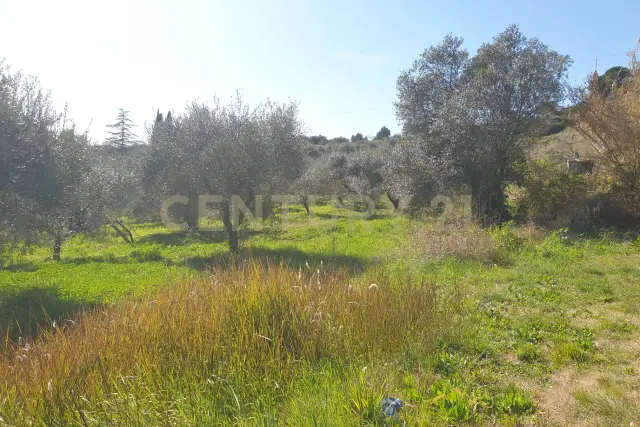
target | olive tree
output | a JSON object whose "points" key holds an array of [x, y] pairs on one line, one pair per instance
{"points": [[384, 132], [118, 186], [315, 181], [425, 87], [480, 112], [341, 174], [77, 203], [27, 129], [226, 151], [45, 172], [411, 171], [352, 173], [365, 172]]}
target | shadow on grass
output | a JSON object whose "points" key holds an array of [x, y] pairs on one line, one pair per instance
{"points": [[184, 239], [628, 235], [287, 255], [290, 256], [27, 312], [142, 257], [104, 259], [330, 215], [22, 267]]}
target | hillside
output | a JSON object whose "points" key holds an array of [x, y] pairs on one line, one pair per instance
{"points": [[562, 146]]}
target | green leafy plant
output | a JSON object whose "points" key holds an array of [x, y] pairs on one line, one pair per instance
{"points": [[364, 396], [452, 404], [528, 353], [513, 402]]}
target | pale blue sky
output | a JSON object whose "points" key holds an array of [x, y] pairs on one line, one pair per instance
{"points": [[339, 59]]}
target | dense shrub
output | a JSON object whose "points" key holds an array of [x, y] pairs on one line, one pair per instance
{"points": [[620, 204], [558, 124], [315, 151], [347, 147], [339, 140], [550, 195], [317, 139]]}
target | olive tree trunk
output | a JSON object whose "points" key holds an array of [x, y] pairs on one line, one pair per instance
{"points": [[57, 245]]}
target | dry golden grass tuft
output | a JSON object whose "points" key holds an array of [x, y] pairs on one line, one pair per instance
{"points": [[463, 240], [531, 233]]}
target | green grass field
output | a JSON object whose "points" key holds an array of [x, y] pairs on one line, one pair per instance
{"points": [[319, 318]]}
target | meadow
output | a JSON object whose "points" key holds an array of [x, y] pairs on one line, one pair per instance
{"points": [[317, 319]]}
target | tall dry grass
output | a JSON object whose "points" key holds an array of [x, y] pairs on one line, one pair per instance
{"points": [[212, 348], [466, 241]]}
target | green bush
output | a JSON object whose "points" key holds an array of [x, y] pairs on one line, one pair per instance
{"points": [[558, 124], [551, 196], [621, 207]]}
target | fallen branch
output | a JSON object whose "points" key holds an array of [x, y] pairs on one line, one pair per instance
{"points": [[125, 237]]}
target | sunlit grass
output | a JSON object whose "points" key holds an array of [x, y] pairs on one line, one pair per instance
{"points": [[515, 306]]}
